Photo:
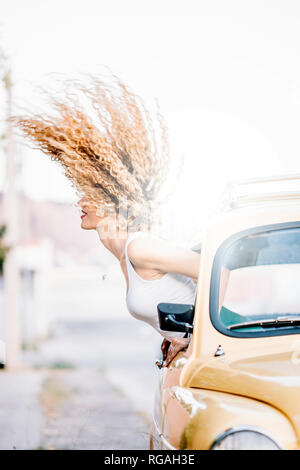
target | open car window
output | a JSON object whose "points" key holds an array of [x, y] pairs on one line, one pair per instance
{"points": [[256, 279]]}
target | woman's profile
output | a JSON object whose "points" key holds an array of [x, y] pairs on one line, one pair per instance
{"points": [[110, 150]]}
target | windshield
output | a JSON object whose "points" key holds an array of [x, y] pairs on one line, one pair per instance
{"points": [[256, 279]]}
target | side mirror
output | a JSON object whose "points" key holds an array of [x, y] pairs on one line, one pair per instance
{"points": [[176, 317]]}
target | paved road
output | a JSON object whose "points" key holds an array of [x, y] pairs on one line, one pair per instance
{"points": [[67, 409], [123, 350], [22, 416], [84, 411], [90, 386]]}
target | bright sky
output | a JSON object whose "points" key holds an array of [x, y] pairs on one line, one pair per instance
{"points": [[226, 74]]}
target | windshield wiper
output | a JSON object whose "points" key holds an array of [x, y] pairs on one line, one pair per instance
{"points": [[271, 323]]}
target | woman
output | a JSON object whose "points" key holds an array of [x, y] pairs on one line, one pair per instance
{"points": [[117, 164]]}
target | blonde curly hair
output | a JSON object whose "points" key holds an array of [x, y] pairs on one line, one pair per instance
{"points": [[115, 159]]}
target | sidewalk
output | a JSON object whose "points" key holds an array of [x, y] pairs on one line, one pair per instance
{"points": [[90, 386], [21, 413], [67, 409], [85, 412]]}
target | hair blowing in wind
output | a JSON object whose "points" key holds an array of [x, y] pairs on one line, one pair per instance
{"points": [[109, 147]]}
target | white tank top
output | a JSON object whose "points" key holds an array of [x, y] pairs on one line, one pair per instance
{"points": [[144, 295]]}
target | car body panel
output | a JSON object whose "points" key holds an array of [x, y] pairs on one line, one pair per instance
{"points": [[256, 383], [195, 418], [270, 377]]}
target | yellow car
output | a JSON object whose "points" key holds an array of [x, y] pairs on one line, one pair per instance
{"points": [[238, 384]]}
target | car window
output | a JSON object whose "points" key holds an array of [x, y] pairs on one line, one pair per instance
{"points": [[258, 280]]}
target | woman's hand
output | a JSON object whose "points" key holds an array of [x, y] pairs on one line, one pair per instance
{"points": [[171, 349], [164, 348]]}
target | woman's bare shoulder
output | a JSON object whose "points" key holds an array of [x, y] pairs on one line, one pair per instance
{"points": [[164, 256], [146, 248]]}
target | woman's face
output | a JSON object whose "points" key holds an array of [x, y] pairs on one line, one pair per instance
{"points": [[89, 219]]}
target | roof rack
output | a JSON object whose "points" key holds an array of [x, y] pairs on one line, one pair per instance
{"points": [[261, 190]]}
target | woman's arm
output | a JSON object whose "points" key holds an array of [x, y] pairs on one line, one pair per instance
{"points": [[162, 255]]}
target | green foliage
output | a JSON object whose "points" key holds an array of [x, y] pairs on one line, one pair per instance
{"points": [[3, 248]]}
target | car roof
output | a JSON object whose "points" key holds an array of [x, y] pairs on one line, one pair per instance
{"points": [[271, 190]]}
